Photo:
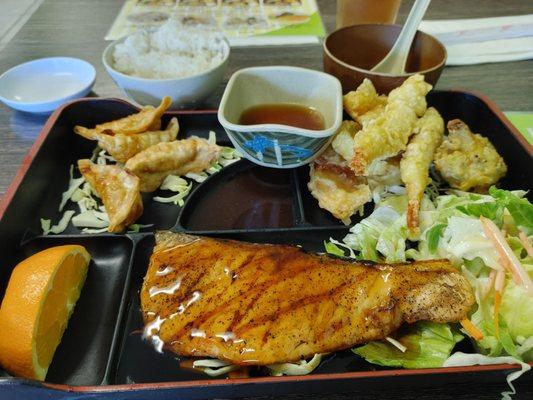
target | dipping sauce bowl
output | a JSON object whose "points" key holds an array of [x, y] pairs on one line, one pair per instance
{"points": [[276, 145]]}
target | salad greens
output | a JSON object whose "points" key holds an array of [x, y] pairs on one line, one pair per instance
{"points": [[489, 238], [428, 345]]}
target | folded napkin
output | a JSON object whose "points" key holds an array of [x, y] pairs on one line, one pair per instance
{"points": [[484, 40]]}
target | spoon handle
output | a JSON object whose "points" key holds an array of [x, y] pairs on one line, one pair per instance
{"points": [[394, 62]]}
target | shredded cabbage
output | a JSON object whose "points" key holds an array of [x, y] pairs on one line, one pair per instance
{"points": [[91, 219], [302, 367], [214, 367], [60, 226]]}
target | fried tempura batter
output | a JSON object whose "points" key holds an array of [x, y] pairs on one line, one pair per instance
{"points": [[336, 187], [119, 191], [384, 173], [122, 147], [468, 160], [148, 119], [343, 141], [179, 157], [364, 100], [388, 134], [416, 160]]}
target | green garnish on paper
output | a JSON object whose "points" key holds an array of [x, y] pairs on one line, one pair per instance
{"points": [[523, 122]]}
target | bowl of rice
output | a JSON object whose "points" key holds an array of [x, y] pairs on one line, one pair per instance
{"points": [[185, 64]]}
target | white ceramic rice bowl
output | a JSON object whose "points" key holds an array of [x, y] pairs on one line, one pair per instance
{"points": [[184, 92]]}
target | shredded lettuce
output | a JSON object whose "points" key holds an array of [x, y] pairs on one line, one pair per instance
{"points": [[451, 228], [332, 248], [384, 227], [427, 344], [460, 359], [464, 239]]}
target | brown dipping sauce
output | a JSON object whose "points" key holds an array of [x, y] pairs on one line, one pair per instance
{"points": [[284, 114]]}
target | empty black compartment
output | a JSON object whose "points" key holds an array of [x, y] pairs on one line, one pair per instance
{"points": [[244, 196]]}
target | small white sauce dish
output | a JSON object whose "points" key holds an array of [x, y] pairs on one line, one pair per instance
{"points": [[40, 86], [185, 92], [274, 145]]}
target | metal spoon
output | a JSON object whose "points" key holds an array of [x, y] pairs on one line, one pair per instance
{"points": [[394, 62]]}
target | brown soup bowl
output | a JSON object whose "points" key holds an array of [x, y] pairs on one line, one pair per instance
{"points": [[350, 53]]}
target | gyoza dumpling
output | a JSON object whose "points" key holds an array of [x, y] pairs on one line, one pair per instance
{"points": [[148, 119], [122, 147], [119, 191], [179, 157]]}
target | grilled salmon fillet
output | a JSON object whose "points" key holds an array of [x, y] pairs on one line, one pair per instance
{"points": [[259, 304]]}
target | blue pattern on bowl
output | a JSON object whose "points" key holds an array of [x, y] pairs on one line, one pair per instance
{"points": [[278, 149]]}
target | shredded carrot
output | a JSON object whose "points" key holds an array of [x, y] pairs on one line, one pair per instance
{"points": [[498, 286], [508, 258], [490, 283], [471, 329], [525, 242], [497, 303]]}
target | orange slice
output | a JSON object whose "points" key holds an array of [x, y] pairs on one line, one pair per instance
{"points": [[39, 300]]}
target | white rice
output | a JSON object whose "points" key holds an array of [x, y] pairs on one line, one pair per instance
{"points": [[170, 52]]}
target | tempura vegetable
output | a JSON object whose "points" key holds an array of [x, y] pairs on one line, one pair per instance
{"points": [[414, 166], [148, 119], [363, 100], [119, 191], [468, 160], [124, 146], [179, 157], [343, 141], [335, 186]]}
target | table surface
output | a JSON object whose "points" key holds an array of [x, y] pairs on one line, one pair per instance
{"points": [[76, 28]]}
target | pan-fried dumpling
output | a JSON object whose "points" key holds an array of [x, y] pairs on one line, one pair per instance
{"points": [[148, 119], [179, 157], [119, 191], [122, 147]]}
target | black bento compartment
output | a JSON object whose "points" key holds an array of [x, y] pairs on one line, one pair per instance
{"points": [[137, 360], [243, 196], [83, 356], [487, 120]]}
